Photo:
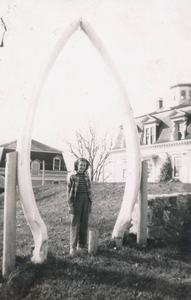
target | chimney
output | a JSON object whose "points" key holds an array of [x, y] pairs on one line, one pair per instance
{"points": [[159, 104]]}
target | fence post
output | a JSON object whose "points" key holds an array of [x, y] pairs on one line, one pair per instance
{"points": [[9, 232], [142, 207], [93, 241], [43, 172]]}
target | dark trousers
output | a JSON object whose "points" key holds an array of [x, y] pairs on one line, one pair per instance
{"points": [[79, 221]]}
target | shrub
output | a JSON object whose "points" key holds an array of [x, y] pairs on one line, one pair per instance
{"points": [[166, 170]]}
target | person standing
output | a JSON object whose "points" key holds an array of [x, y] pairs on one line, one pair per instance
{"points": [[80, 203]]}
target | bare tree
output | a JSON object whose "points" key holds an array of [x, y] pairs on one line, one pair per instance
{"points": [[92, 145], [3, 29]]}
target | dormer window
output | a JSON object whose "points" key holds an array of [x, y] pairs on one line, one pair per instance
{"points": [[147, 136], [183, 95], [150, 135], [179, 131], [179, 124], [150, 129]]}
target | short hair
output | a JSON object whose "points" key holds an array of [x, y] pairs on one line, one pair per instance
{"points": [[77, 162]]}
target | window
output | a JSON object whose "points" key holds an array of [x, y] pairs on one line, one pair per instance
{"points": [[190, 94], [150, 124], [150, 136], [57, 164], [179, 131], [183, 95], [35, 167], [177, 166], [179, 124], [147, 136], [124, 169]]}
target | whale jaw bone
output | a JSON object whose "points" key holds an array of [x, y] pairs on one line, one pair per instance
{"points": [[37, 225]]}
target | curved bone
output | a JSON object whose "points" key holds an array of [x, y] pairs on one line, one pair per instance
{"points": [[132, 141], [32, 215], [38, 227]]}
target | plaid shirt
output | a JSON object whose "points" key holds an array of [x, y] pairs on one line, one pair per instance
{"points": [[72, 187]]}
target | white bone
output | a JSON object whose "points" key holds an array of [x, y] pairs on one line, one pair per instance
{"points": [[38, 227], [131, 137]]}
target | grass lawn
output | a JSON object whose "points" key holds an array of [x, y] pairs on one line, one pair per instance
{"points": [[158, 271]]}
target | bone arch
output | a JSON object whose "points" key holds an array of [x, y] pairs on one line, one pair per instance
{"points": [[37, 225]]}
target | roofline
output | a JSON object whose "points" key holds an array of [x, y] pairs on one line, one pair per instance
{"points": [[57, 151], [6, 144], [180, 84], [178, 107], [117, 150], [169, 143], [54, 150], [164, 144], [154, 113]]}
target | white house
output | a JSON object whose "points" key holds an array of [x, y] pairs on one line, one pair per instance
{"points": [[165, 131]]}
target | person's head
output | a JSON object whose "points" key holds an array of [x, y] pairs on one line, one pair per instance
{"points": [[81, 165]]}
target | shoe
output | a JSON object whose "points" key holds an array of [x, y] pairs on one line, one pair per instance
{"points": [[81, 250], [72, 252]]}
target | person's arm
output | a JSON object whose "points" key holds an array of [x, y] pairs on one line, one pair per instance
{"points": [[90, 194], [90, 189], [69, 184], [69, 194]]}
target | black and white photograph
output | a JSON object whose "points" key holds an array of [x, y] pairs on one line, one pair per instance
{"points": [[95, 149]]}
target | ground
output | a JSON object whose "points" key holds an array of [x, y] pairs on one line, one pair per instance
{"points": [[158, 271]]}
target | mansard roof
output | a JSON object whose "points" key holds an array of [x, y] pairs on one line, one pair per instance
{"points": [[164, 119]]}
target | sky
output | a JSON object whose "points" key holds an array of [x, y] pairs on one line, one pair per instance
{"points": [[149, 42]]}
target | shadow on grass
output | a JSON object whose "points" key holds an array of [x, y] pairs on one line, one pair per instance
{"points": [[130, 241], [91, 272], [110, 268], [178, 250]]}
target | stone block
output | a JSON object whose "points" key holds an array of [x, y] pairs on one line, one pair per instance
{"points": [[169, 217]]}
